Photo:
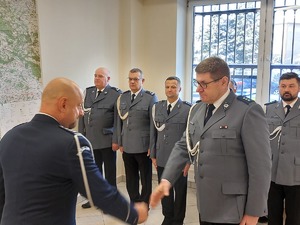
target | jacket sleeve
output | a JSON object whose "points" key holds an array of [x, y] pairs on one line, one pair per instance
{"points": [[255, 137], [2, 192], [152, 127], [104, 196]]}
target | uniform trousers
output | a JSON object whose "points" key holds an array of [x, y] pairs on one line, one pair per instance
{"points": [[107, 157], [282, 197], [174, 205], [206, 223], [138, 165]]}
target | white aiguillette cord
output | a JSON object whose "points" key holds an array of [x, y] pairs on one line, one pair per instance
{"points": [[192, 151], [118, 108], [84, 176], [162, 127]]}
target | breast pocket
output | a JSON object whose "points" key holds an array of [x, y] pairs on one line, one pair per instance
{"points": [[273, 123], [227, 140], [294, 128]]}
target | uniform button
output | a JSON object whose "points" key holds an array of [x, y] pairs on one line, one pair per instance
{"points": [[202, 137], [129, 129], [201, 151], [283, 143], [282, 152], [201, 177]]}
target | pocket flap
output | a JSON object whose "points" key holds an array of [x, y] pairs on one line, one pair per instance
{"points": [[234, 188], [297, 161], [224, 133]]}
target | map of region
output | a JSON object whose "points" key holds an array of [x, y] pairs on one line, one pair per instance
{"points": [[20, 72]]}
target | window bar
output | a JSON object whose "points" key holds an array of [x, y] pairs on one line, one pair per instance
{"points": [[226, 39], [202, 32], [253, 35], [210, 23], [219, 33], [244, 41], [234, 54], [294, 34], [283, 36]]}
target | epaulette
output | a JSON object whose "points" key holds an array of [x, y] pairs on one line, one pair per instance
{"points": [[126, 91], [68, 130], [244, 99], [187, 103], [150, 93], [269, 103], [116, 89], [198, 101], [90, 87]]}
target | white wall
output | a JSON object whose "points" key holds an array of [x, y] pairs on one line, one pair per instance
{"points": [[77, 36]]}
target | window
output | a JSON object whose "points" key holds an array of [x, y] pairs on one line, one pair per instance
{"points": [[235, 31]]}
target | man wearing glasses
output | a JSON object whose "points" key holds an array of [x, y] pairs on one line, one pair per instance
{"points": [[134, 128], [227, 137]]}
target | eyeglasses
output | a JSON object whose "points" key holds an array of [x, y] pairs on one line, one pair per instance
{"points": [[203, 84], [134, 79]]}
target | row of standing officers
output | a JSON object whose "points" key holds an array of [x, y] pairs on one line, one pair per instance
{"points": [[233, 167]]}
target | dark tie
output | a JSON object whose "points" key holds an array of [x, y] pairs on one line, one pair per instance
{"points": [[211, 108], [98, 93], [132, 97], [169, 109], [288, 108]]}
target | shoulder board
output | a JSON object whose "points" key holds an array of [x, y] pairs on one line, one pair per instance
{"points": [[269, 103], [116, 89], [68, 130], [150, 93], [90, 87], [126, 91], [187, 103], [244, 99], [198, 101]]}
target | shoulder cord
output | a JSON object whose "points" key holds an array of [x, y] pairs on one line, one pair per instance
{"points": [[162, 127], [192, 151], [276, 132], [84, 176], [118, 108]]}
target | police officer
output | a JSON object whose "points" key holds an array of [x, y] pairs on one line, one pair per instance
{"points": [[228, 138], [134, 108], [43, 166], [170, 117], [99, 122], [284, 124]]}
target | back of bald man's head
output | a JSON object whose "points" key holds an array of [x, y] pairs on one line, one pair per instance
{"points": [[57, 88]]}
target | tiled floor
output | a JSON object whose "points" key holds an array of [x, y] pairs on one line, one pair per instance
{"points": [[96, 217]]}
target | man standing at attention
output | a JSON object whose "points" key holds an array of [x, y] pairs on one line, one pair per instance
{"points": [[170, 118], [43, 166], [228, 138], [284, 123], [134, 129], [99, 121]]}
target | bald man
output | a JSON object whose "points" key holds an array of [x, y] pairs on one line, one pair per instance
{"points": [[43, 166]]}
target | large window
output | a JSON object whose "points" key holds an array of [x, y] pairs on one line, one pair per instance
{"points": [[235, 31]]}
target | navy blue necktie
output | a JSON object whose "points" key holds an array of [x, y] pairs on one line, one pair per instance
{"points": [[132, 97], [288, 108], [209, 113], [169, 109]]}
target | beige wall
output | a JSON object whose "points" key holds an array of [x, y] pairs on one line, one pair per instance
{"points": [[77, 36]]}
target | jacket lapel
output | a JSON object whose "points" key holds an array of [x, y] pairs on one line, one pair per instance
{"points": [[220, 113], [295, 111]]}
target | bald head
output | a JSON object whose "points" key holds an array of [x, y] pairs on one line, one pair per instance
{"points": [[62, 99]]}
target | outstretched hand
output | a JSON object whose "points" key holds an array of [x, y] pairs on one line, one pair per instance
{"points": [[159, 192]]}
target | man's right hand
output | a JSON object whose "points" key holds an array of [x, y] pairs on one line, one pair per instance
{"points": [[142, 209], [160, 191]]}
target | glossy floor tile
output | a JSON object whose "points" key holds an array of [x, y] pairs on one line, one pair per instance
{"points": [[96, 217]]}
